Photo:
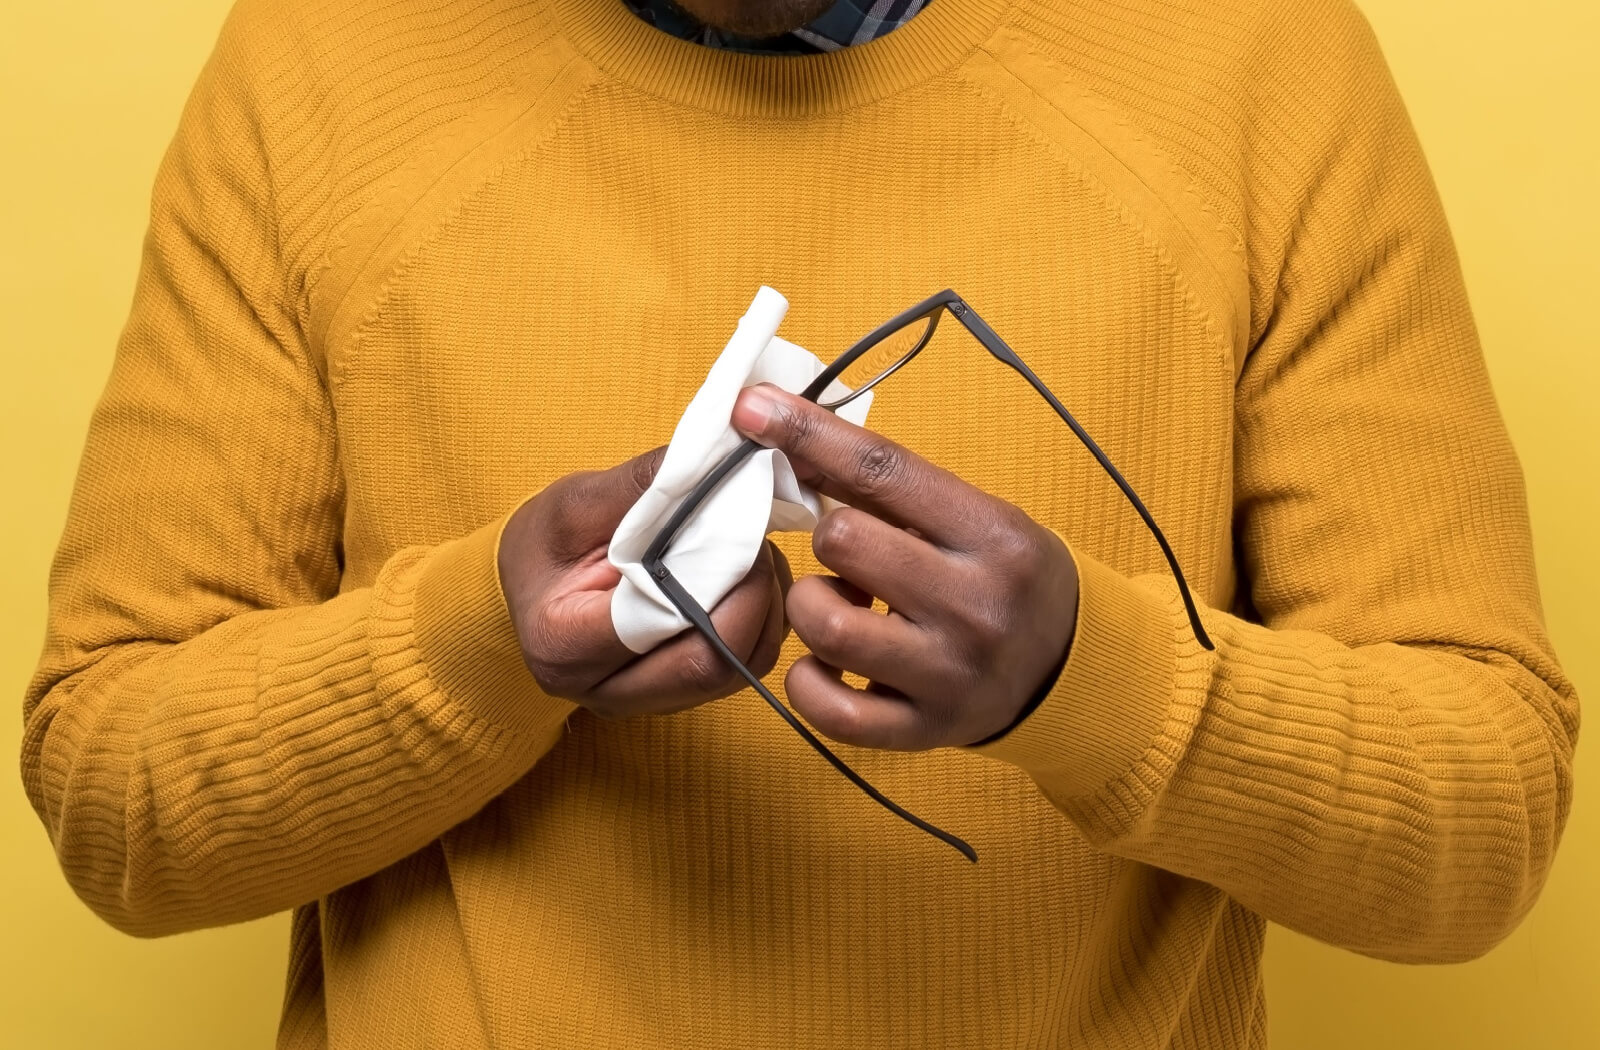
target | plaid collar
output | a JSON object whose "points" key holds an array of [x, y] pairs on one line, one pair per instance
{"points": [[847, 22]]}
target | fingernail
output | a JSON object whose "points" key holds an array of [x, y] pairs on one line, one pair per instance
{"points": [[752, 410]]}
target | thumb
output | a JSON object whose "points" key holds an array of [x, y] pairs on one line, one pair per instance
{"points": [[598, 499], [622, 485], [583, 509]]}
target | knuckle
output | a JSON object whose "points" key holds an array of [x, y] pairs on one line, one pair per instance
{"points": [[835, 534], [1012, 553], [551, 654], [842, 721], [988, 623], [833, 631], [555, 681], [704, 670], [877, 466], [547, 682], [643, 468], [1033, 544], [796, 426]]}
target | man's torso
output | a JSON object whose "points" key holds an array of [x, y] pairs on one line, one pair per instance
{"points": [[535, 284]]}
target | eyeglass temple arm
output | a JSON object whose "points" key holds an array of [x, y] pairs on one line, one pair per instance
{"points": [[654, 563], [995, 345], [691, 609], [653, 554]]}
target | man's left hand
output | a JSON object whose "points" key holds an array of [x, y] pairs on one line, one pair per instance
{"points": [[982, 599]]}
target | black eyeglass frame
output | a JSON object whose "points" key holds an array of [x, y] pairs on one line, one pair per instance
{"points": [[929, 310]]}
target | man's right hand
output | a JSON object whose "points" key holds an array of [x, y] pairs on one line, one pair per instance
{"points": [[558, 586]]}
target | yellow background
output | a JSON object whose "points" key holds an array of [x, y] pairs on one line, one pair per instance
{"points": [[1505, 99]]}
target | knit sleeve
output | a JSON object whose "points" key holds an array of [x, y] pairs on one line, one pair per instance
{"points": [[214, 732], [1379, 754]]}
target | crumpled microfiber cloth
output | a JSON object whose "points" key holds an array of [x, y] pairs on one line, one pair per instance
{"points": [[717, 546]]}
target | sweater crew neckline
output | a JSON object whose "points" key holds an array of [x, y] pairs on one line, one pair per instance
{"points": [[742, 84]]}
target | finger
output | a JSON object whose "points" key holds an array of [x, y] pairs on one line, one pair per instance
{"points": [[686, 669], [906, 571], [587, 507], [741, 616], [780, 567], [885, 648], [764, 657], [862, 468], [848, 591], [622, 485], [862, 718]]}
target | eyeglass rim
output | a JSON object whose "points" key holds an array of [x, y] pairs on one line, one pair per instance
{"points": [[654, 563], [931, 309], [653, 559]]}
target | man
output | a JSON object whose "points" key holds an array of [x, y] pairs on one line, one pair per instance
{"points": [[329, 622]]}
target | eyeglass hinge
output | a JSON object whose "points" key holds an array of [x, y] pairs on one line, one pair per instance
{"points": [[958, 308]]}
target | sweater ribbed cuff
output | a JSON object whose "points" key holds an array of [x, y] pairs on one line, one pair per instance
{"points": [[1111, 698], [469, 644]]}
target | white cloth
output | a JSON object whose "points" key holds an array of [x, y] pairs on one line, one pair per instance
{"points": [[717, 546]]}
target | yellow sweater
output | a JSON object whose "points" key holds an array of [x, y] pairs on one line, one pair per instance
{"points": [[411, 260]]}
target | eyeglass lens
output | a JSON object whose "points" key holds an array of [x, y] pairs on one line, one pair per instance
{"points": [[873, 364]]}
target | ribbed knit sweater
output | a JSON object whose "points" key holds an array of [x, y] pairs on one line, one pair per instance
{"points": [[410, 261]]}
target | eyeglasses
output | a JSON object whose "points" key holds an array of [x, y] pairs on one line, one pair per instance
{"points": [[874, 358]]}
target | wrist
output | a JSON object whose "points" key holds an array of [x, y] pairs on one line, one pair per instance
{"points": [[1115, 691], [468, 641], [1033, 701]]}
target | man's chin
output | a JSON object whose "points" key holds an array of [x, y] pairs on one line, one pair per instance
{"points": [[755, 19]]}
